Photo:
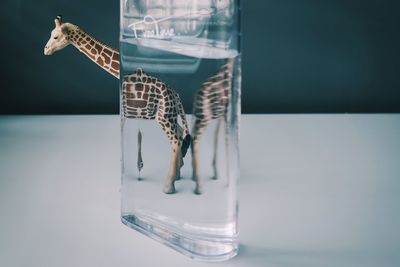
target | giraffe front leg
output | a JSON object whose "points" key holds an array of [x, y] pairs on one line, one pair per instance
{"points": [[173, 173], [195, 165], [139, 162]]}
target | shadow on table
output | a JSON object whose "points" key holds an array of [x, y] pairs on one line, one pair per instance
{"points": [[259, 256]]}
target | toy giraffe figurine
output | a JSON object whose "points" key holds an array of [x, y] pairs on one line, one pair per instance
{"points": [[144, 97], [211, 102]]}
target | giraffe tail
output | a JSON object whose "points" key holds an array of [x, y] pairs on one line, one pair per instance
{"points": [[187, 139], [186, 144]]}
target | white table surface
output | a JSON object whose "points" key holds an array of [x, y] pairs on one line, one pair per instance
{"points": [[315, 190]]}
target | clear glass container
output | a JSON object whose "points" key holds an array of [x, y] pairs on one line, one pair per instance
{"points": [[180, 109]]}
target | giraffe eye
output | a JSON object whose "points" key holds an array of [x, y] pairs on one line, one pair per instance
{"points": [[56, 37]]}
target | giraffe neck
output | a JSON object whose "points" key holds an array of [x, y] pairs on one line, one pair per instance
{"points": [[103, 55]]}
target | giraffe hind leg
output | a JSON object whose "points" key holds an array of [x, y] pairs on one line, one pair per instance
{"points": [[198, 129]]}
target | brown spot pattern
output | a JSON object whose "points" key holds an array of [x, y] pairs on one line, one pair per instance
{"points": [[100, 61], [115, 57], [108, 52], [98, 48], [106, 58], [115, 65], [137, 103]]}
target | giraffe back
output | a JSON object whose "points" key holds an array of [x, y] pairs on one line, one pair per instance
{"points": [[213, 97], [146, 97], [142, 96]]}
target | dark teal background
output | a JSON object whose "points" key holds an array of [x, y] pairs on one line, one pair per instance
{"points": [[298, 57]]}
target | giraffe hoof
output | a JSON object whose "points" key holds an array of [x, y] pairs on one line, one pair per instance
{"points": [[169, 189], [198, 190]]}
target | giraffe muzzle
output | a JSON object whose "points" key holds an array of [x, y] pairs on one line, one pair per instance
{"points": [[47, 52]]}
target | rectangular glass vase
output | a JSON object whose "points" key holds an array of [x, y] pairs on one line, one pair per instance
{"points": [[180, 82]]}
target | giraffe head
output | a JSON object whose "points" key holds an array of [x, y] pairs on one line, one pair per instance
{"points": [[59, 37]]}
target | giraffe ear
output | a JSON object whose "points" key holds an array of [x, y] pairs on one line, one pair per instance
{"points": [[58, 21]]}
